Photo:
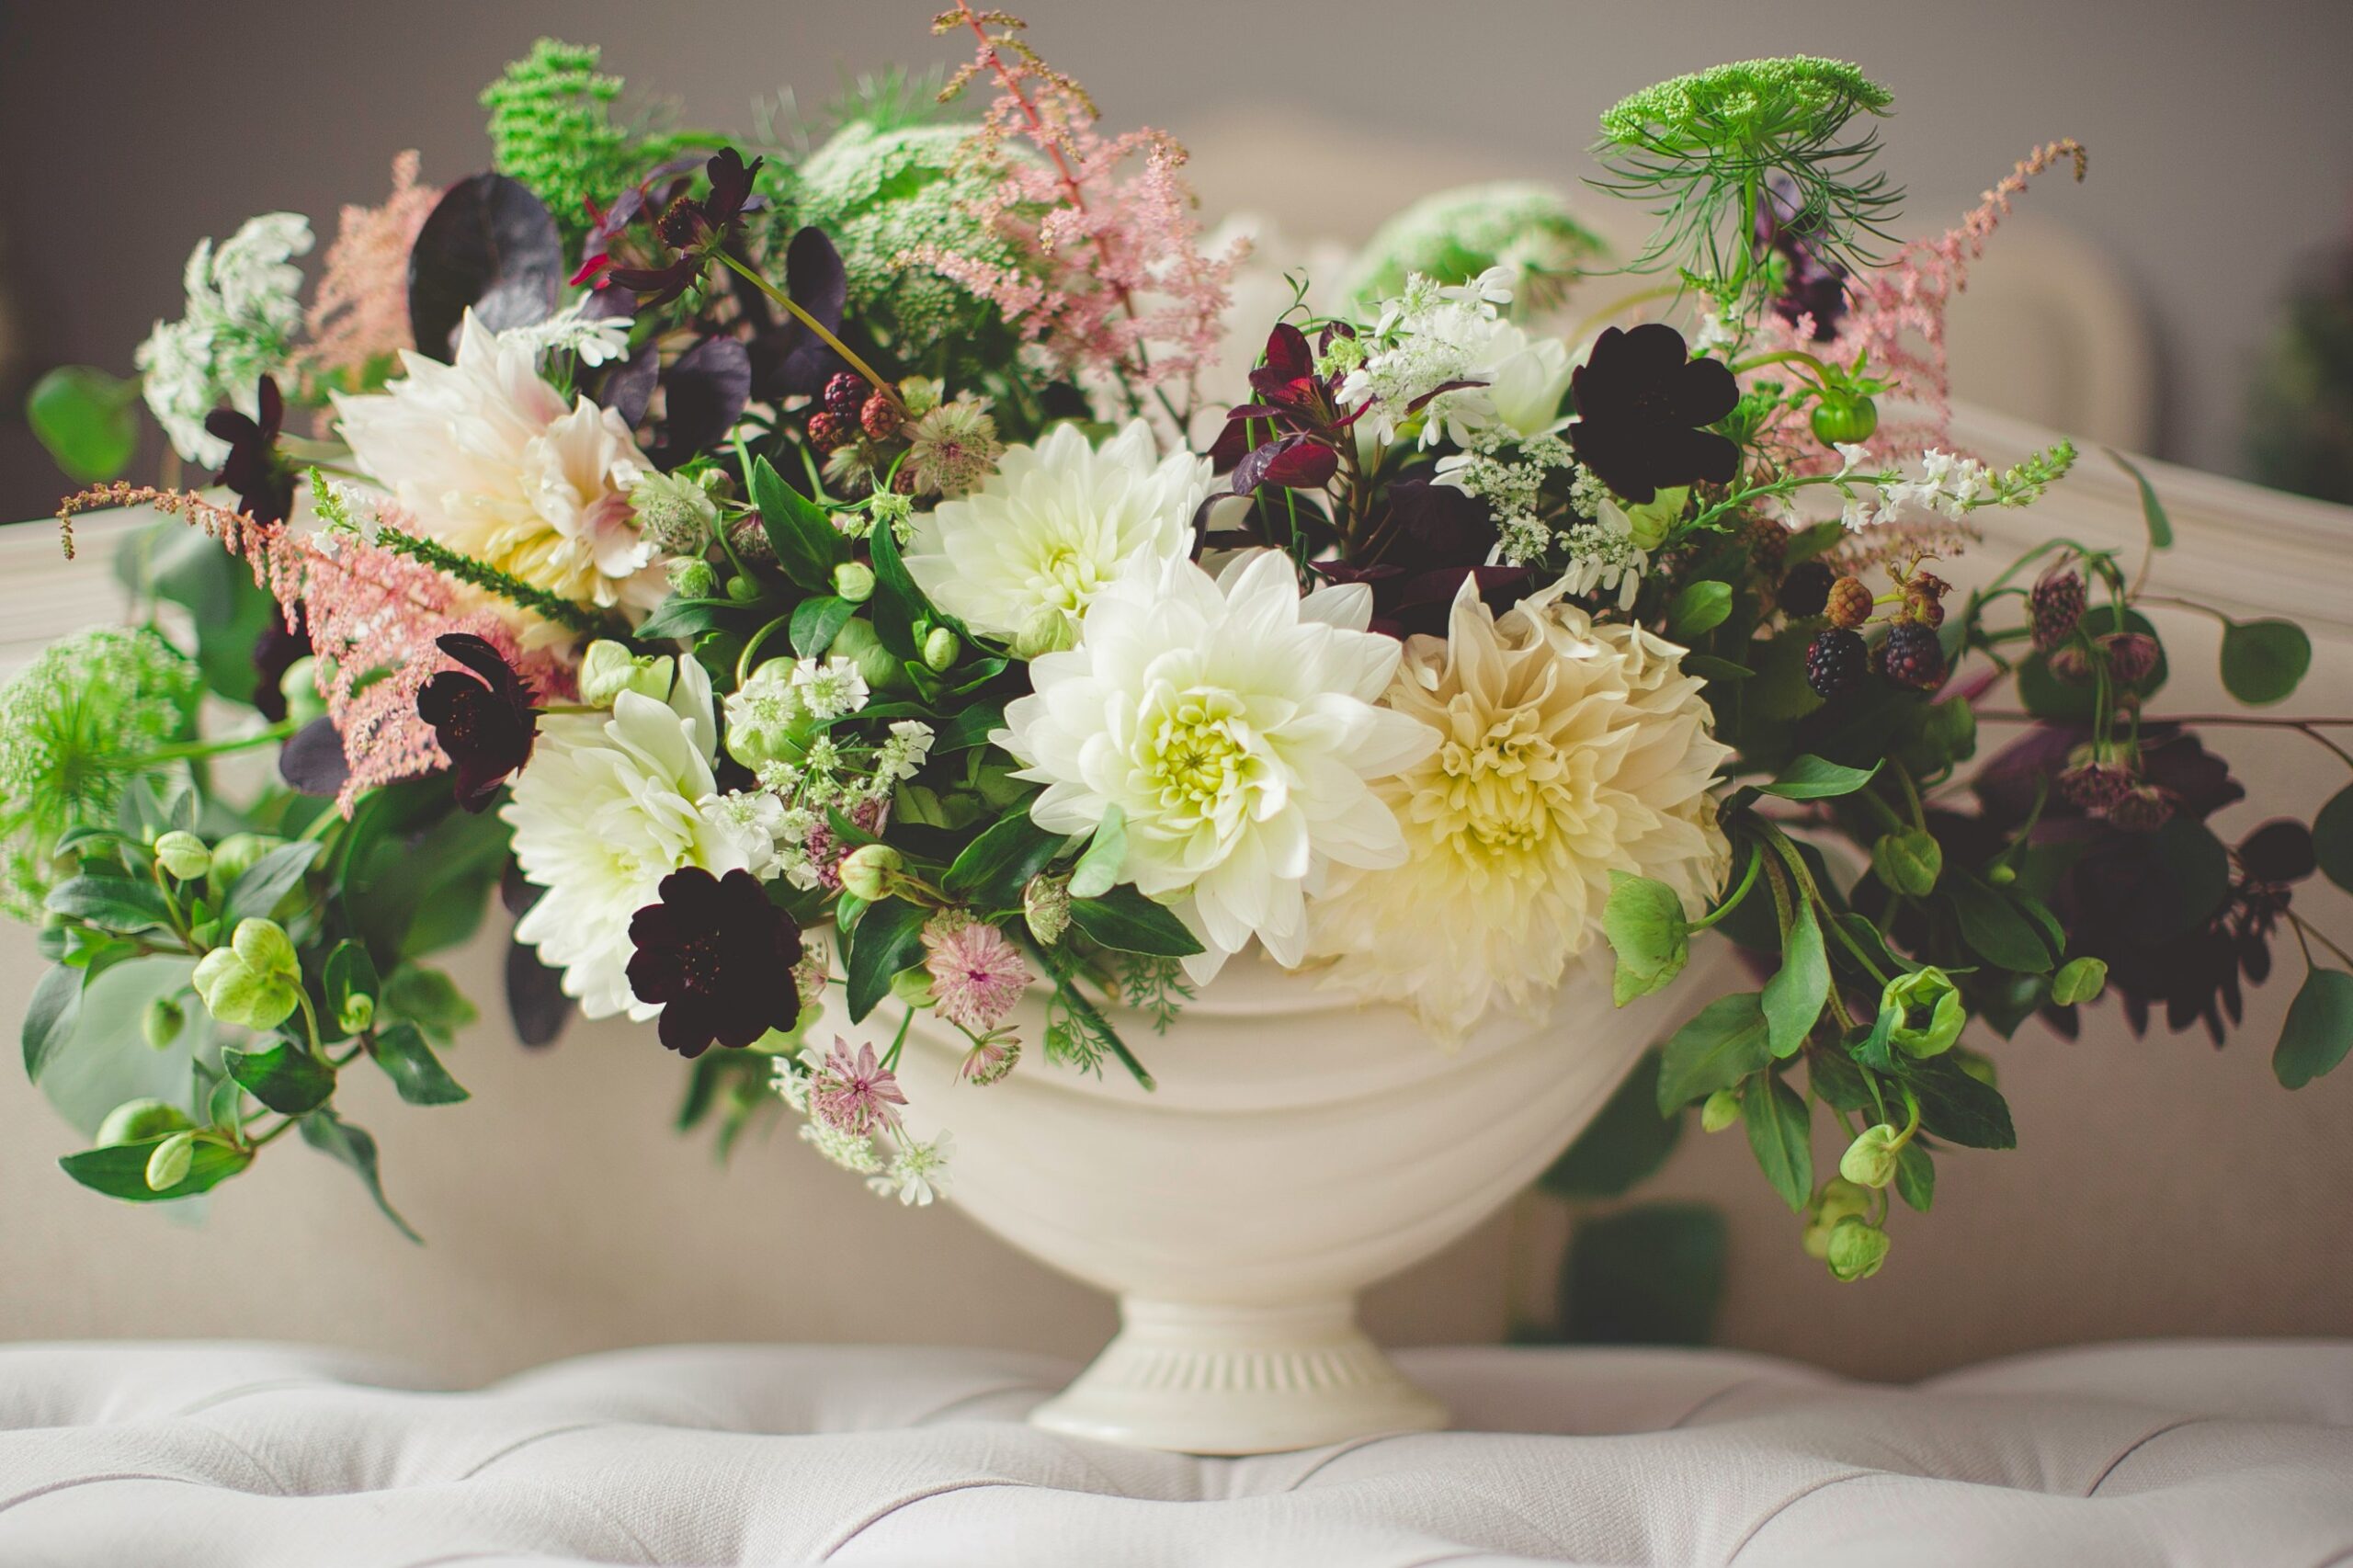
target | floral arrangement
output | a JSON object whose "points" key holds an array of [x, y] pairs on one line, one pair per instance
{"points": [[777, 568]]}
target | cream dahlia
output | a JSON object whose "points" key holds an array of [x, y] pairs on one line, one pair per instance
{"points": [[606, 809], [1563, 750], [1235, 725], [1021, 557], [488, 459]]}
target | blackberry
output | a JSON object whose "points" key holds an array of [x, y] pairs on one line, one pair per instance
{"points": [[1805, 589], [1836, 662], [1849, 603], [1912, 656], [1768, 546], [843, 395], [2055, 605], [879, 417], [827, 431]]}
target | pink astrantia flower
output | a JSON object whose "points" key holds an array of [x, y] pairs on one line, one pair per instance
{"points": [[976, 973], [855, 1094]]}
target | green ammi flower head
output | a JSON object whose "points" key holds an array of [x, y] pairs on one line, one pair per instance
{"points": [[74, 726]]}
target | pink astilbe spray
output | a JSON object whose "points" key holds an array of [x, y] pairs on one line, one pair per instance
{"points": [[1113, 281], [374, 618], [360, 314]]}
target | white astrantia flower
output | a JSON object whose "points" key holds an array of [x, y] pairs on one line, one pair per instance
{"points": [[489, 459], [606, 809], [242, 313], [1565, 750], [1234, 723], [917, 1173], [1430, 336], [828, 689], [1023, 555]]}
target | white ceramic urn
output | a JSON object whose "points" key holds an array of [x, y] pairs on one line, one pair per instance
{"points": [[1297, 1148]]}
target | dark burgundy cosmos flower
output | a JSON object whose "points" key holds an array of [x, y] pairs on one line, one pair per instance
{"points": [[275, 653], [1812, 285], [696, 230], [717, 958], [1641, 400], [486, 726], [264, 484]]}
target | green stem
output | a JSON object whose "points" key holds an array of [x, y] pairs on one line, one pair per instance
{"points": [[1747, 880], [743, 662], [779, 298], [187, 750]]}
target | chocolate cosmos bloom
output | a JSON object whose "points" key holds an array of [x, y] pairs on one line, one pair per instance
{"points": [[696, 230], [484, 726], [717, 958], [1815, 286], [1641, 400], [265, 486]]}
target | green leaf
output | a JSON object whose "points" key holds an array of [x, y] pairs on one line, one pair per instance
{"points": [[1810, 777], [348, 972], [681, 618], [1795, 997], [286, 1077], [117, 903], [1957, 1108], [1700, 608], [1837, 1081], [1644, 923], [266, 882], [2264, 660], [1708, 667], [87, 419], [808, 547], [415, 1070], [889, 939], [1724, 1043], [331, 1135], [1622, 1147], [2152, 511], [1106, 857], [50, 1016], [120, 1170], [1651, 1275], [427, 998], [1127, 922], [967, 728], [897, 603], [1866, 936], [1781, 1135], [996, 867], [816, 621], [1999, 932], [2319, 1029], [2333, 838], [1908, 861], [1916, 1176]]}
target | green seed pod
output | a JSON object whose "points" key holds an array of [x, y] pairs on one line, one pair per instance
{"points": [[135, 1121], [854, 579], [1721, 1109], [168, 1162], [1844, 416], [1870, 1159], [1838, 1199], [1928, 1012], [183, 855], [161, 1022], [939, 648], [742, 590], [1045, 907], [866, 869], [1857, 1249], [609, 668]]}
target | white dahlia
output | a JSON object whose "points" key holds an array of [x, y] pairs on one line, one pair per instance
{"points": [[1235, 725], [488, 459], [1023, 555], [605, 810], [1565, 750]]}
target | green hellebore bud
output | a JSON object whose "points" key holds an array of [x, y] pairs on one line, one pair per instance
{"points": [[884, 670], [1870, 1159], [168, 1162], [1928, 1012], [236, 854], [939, 648], [743, 589], [912, 987], [1837, 1200], [1649, 522], [299, 686], [357, 1014], [135, 1121], [867, 867], [255, 981], [693, 580], [1046, 631], [1908, 862], [1721, 1109], [2079, 980], [183, 855], [854, 579], [1045, 908], [161, 1022], [609, 668], [1857, 1249]]}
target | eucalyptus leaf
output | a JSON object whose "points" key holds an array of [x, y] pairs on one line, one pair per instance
{"points": [[2263, 661], [1700, 608], [2318, 1031], [2333, 838]]}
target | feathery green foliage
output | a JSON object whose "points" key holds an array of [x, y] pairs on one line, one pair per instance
{"points": [[552, 127]]}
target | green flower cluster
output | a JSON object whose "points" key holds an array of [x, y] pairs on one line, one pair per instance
{"points": [[74, 725], [552, 127], [1748, 106], [1454, 235]]}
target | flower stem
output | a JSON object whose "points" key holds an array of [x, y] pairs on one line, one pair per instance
{"points": [[779, 297], [189, 750]]}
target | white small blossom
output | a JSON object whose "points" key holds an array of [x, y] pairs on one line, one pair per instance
{"points": [[850, 1151], [791, 1086], [1714, 332], [903, 755], [1852, 455], [1492, 286], [243, 311], [829, 688], [597, 340], [917, 1173], [753, 820]]}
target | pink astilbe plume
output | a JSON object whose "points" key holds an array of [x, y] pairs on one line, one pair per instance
{"points": [[374, 617], [360, 314], [1113, 281]]}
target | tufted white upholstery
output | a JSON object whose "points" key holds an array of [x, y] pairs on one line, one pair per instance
{"points": [[203, 1455]]}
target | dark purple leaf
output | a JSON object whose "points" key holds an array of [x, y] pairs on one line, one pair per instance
{"points": [[492, 246], [1439, 390], [534, 1000], [702, 396], [312, 760], [628, 387], [1294, 462], [788, 359]]}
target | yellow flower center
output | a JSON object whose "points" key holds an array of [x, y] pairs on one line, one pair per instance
{"points": [[1197, 754], [1497, 785], [1068, 578]]}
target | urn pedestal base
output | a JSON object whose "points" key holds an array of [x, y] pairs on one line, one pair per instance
{"points": [[1231, 1380]]}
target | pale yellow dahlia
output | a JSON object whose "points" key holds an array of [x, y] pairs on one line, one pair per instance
{"points": [[1566, 750]]}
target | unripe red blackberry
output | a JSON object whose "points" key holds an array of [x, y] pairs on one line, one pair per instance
{"points": [[1768, 546], [1913, 657], [2145, 808], [2055, 605], [1835, 663], [1805, 589], [2096, 786], [879, 417], [2132, 656], [826, 431], [844, 395], [1849, 603]]}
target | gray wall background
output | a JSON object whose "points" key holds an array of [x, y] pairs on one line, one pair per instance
{"points": [[2221, 137]]}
